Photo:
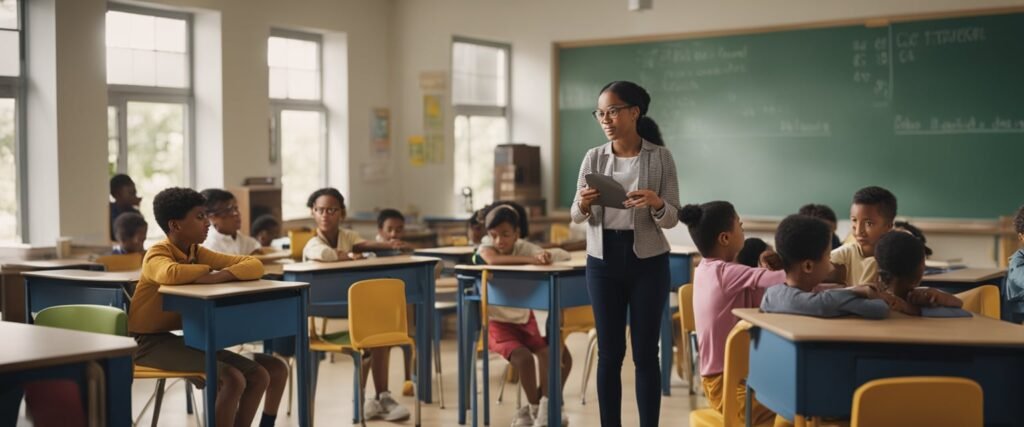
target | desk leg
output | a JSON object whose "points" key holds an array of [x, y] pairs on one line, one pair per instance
{"points": [[666, 351], [460, 301], [302, 359], [554, 354], [118, 372], [424, 319], [211, 365]]}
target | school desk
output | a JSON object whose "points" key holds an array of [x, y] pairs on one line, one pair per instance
{"points": [[811, 366], [38, 353], [328, 295], [226, 314], [450, 255], [60, 287], [13, 295], [955, 281]]}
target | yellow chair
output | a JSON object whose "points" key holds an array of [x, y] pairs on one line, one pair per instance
{"points": [[558, 233], [688, 328], [983, 300], [297, 241], [336, 342], [377, 318], [125, 262], [918, 401], [737, 364]]}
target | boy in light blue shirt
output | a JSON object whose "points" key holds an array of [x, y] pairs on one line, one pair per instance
{"points": [[1015, 275]]}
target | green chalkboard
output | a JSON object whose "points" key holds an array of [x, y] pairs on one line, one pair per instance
{"points": [[931, 109]]}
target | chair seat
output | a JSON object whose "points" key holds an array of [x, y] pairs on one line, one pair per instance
{"points": [[335, 342], [386, 340], [706, 417], [147, 373]]}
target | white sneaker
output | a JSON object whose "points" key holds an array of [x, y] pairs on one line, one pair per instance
{"points": [[393, 411], [372, 409], [541, 417], [522, 417]]}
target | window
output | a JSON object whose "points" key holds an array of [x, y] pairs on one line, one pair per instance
{"points": [[10, 102], [480, 97], [299, 116], [150, 100]]}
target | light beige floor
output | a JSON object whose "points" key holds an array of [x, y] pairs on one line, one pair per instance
{"points": [[334, 395]]}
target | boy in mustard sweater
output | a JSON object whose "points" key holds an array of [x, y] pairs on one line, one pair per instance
{"points": [[179, 260]]}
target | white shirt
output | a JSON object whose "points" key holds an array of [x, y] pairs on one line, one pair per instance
{"points": [[520, 316], [317, 249], [225, 244], [626, 172]]}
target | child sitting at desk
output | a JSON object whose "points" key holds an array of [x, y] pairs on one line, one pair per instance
{"points": [[180, 260], [824, 213], [333, 243], [720, 285], [900, 259], [130, 229], [1015, 275], [750, 255], [872, 214], [265, 229], [513, 332], [125, 198], [225, 225], [804, 245]]}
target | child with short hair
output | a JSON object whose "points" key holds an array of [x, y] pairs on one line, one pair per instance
{"points": [[911, 229], [130, 230], [824, 213], [265, 229], [180, 260], [872, 214], [750, 255], [475, 230], [513, 332], [803, 243], [390, 229], [225, 225], [125, 196], [1015, 274], [900, 258], [720, 285]]}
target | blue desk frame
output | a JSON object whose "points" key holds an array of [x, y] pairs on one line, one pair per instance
{"points": [[328, 295], [44, 292], [680, 265], [213, 324]]}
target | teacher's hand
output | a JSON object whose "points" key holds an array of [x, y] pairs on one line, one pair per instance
{"points": [[643, 199], [587, 197]]}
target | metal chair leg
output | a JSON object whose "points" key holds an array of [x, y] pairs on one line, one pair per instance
{"points": [[588, 365], [159, 401], [291, 378], [437, 365], [192, 399], [504, 379]]}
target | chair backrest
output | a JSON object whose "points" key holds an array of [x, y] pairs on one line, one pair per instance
{"points": [[100, 319], [297, 241], [686, 308], [918, 401], [376, 306], [124, 262], [559, 233], [577, 319], [983, 300], [737, 365]]}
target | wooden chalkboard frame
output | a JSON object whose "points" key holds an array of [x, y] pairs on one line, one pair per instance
{"points": [[878, 21]]}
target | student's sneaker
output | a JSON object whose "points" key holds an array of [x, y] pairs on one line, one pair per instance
{"points": [[393, 411], [372, 409], [523, 418], [407, 388], [541, 417]]}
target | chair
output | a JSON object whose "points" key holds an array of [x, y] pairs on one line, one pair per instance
{"points": [[125, 262], [377, 318], [983, 300], [558, 233], [737, 365], [297, 241], [113, 321], [688, 328], [337, 342], [918, 401], [581, 319]]}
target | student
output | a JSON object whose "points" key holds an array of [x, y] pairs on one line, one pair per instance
{"points": [[180, 260], [909, 228], [803, 243], [720, 285], [872, 213], [122, 190], [826, 214], [333, 243], [475, 230], [225, 223], [1015, 274], [390, 229], [750, 255], [513, 332], [265, 229], [900, 258], [130, 230]]}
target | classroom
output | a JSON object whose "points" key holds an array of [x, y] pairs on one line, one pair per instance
{"points": [[573, 212]]}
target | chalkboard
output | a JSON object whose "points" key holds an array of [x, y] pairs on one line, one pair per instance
{"points": [[931, 109]]}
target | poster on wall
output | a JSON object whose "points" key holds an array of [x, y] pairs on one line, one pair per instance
{"points": [[380, 129], [417, 155], [433, 84]]}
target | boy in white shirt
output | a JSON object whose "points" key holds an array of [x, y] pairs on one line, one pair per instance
{"points": [[225, 224]]}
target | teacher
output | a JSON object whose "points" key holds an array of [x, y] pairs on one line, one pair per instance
{"points": [[627, 253]]}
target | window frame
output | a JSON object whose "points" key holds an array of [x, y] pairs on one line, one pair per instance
{"points": [[119, 95], [15, 88]]}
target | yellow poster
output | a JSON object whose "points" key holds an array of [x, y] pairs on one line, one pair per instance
{"points": [[433, 128], [417, 155]]}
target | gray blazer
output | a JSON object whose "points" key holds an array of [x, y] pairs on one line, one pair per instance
{"points": [[657, 173]]}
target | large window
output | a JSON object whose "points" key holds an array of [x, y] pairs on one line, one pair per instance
{"points": [[10, 89], [480, 98], [150, 98], [299, 116]]}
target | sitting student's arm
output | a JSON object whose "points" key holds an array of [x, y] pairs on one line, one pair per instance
{"points": [[369, 246], [931, 297], [744, 277], [1015, 278], [317, 250], [161, 266], [239, 267], [492, 257]]}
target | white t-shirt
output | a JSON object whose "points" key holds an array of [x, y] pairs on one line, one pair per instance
{"points": [[514, 315], [625, 171], [859, 269], [225, 244], [317, 248]]}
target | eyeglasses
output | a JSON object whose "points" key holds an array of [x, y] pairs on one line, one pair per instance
{"points": [[230, 210], [612, 112], [326, 211]]}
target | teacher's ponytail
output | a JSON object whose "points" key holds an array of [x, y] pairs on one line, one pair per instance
{"points": [[637, 96]]}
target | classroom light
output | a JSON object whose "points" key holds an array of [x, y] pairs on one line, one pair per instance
{"points": [[638, 5]]}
